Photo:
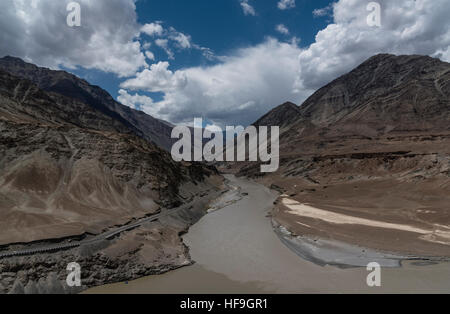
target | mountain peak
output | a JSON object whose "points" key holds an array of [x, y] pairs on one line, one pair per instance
{"points": [[67, 84], [11, 58], [15, 61], [288, 104], [384, 59], [385, 92], [281, 115]]}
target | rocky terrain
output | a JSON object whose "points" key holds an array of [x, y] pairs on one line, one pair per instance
{"points": [[154, 248], [371, 145], [69, 85], [74, 163]]}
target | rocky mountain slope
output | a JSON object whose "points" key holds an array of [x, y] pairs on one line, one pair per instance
{"points": [[375, 144], [68, 85], [75, 164], [68, 167], [385, 94]]}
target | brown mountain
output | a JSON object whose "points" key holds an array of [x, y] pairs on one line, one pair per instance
{"points": [[373, 144], [70, 164], [385, 94], [71, 86], [283, 115]]}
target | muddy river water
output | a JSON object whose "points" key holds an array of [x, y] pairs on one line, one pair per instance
{"points": [[237, 251]]}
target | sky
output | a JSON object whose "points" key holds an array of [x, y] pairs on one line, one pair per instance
{"points": [[229, 61]]}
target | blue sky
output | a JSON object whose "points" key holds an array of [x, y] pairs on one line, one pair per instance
{"points": [[230, 61], [221, 26]]}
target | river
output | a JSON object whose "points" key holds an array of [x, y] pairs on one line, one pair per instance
{"points": [[237, 251]]}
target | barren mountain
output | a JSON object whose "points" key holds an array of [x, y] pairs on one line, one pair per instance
{"points": [[69, 85], [75, 166], [282, 116], [374, 144], [70, 166]]}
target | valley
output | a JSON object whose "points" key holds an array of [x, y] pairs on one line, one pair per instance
{"points": [[363, 176], [236, 250]]}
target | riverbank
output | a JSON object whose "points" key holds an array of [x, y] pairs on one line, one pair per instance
{"points": [[345, 239], [334, 253], [236, 251], [153, 247]]}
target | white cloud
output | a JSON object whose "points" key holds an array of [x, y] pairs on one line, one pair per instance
{"points": [[286, 4], [150, 55], [282, 29], [164, 44], [183, 41], [253, 80], [157, 78], [134, 101], [171, 40], [323, 11], [407, 27], [37, 31], [247, 8], [146, 45], [245, 84], [152, 29], [207, 53], [238, 90]]}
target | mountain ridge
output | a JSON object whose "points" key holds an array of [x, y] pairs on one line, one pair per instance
{"points": [[69, 85], [67, 168], [359, 96]]}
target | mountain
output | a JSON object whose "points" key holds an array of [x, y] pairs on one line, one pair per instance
{"points": [[283, 115], [69, 85], [385, 94], [373, 144], [70, 164]]}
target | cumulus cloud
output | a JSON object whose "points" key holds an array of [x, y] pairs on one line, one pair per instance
{"points": [[107, 39], [407, 27], [282, 29], [150, 55], [323, 11], [183, 41], [238, 90], [157, 78], [171, 40], [164, 44], [247, 8], [134, 101], [241, 86], [286, 4], [153, 29], [253, 80]]}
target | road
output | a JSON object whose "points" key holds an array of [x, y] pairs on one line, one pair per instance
{"points": [[236, 251], [104, 236]]}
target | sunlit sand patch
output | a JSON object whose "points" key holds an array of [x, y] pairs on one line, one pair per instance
{"points": [[304, 225], [437, 235]]}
